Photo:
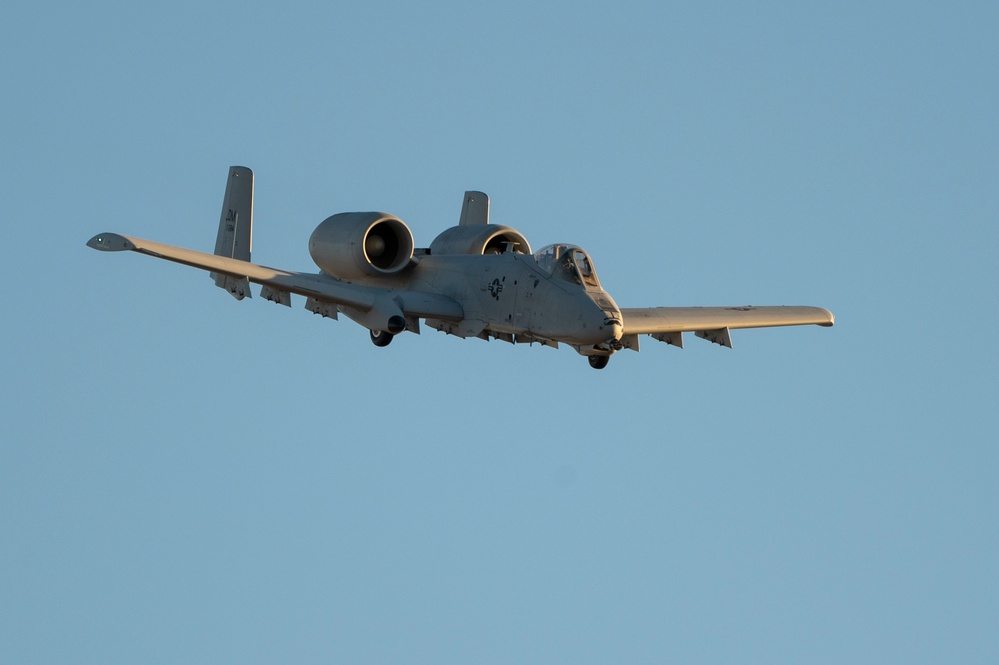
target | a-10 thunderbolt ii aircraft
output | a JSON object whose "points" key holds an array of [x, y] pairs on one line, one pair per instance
{"points": [[475, 280]]}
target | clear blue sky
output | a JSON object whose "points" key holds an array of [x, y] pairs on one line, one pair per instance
{"points": [[186, 478]]}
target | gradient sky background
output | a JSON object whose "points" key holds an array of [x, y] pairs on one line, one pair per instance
{"points": [[187, 478]]}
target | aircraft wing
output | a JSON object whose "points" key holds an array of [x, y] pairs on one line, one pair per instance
{"points": [[713, 323], [280, 283]]}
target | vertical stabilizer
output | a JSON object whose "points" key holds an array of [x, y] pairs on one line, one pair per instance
{"points": [[235, 236], [474, 209]]}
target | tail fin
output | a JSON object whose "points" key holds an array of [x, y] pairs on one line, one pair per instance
{"points": [[474, 209], [235, 237]]}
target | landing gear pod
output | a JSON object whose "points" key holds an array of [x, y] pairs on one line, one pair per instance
{"points": [[381, 337]]}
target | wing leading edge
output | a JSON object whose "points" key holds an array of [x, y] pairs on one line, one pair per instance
{"points": [[713, 323], [278, 284]]}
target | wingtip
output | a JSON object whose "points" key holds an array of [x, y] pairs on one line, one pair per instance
{"points": [[110, 242], [830, 319]]}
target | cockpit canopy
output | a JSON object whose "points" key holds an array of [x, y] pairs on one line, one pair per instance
{"points": [[568, 262]]}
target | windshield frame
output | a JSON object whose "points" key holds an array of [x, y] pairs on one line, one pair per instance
{"points": [[570, 263]]}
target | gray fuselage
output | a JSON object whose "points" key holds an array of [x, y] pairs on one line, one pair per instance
{"points": [[511, 294]]}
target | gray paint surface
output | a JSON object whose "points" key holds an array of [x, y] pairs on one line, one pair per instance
{"points": [[475, 280]]}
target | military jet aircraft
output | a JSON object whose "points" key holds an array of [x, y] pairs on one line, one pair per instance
{"points": [[476, 279]]}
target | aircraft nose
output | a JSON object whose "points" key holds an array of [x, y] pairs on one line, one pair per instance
{"points": [[614, 324], [607, 328]]}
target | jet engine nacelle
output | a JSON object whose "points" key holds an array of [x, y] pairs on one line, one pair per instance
{"points": [[480, 239], [353, 245]]}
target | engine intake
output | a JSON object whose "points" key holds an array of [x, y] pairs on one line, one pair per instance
{"points": [[353, 245], [480, 239]]}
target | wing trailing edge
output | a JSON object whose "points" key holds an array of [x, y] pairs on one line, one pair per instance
{"points": [[323, 292]]}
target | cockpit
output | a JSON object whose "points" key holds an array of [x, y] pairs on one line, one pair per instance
{"points": [[567, 262]]}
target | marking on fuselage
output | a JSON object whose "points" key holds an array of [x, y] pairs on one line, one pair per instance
{"points": [[496, 288]]}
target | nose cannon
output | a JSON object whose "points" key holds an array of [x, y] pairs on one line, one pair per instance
{"points": [[603, 334], [616, 329], [604, 325]]}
